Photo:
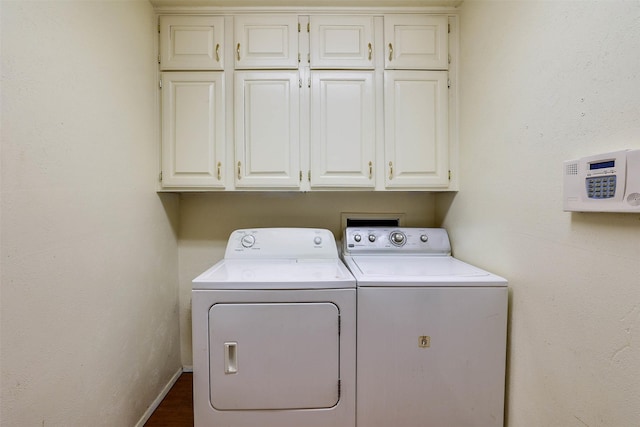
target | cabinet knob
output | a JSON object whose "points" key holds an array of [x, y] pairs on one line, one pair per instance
{"points": [[390, 51], [370, 51], [390, 170], [218, 52], [370, 170], [239, 173], [219, 168], [238, 52]]}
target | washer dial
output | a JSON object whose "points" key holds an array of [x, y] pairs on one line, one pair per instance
{"points": [[397, 238]]}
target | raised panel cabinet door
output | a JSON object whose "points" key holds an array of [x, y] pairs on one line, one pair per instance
{"points": [[342, 129], [341, 42], [416, 129], [267, 129], [416, 42], [266, 41], [193, 132], [191, 42]]}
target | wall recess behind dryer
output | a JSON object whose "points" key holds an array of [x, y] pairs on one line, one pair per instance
{"points": [[354, 219]]}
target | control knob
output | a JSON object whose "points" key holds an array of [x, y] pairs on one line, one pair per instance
{"points": [[248, 240], [372, 238], [424, 238], [357, 238], [397, 238]]}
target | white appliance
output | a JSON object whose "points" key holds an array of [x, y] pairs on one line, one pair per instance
{"points": [[431, 332], [274, 328], [608, 182]]}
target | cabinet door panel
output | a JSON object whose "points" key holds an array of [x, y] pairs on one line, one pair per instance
{"points": [[341, 42], [267, 129], [266, 41], [342, 129], [416, 42], [416, 129], [191, 42], [193, 129]]}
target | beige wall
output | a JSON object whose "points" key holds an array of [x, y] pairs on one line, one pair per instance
{"points": [[544, 82], [206, 220], [89, 316]]}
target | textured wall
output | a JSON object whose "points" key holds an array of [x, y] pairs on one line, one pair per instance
{"points": [[89, 311], [544, 82]]}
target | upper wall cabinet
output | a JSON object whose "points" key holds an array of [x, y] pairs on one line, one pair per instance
{"points": [[341, 42], [191, 42], [416, 42], [266, 41], [416, 129], [193, 116], [267, 129]]}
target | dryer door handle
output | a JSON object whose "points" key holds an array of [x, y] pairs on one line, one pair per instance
{"points": [[230, 357]]}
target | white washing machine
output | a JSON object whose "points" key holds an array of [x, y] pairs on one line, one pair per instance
{"points": [[274, 327], [431, 332]]}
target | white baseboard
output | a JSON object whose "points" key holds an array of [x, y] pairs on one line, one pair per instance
{"points": [[187, 368], [158, 400]]}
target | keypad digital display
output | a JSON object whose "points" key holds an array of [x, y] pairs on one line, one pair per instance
{"points": [[603, 187]]}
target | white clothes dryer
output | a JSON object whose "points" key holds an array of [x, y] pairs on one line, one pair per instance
{"points": [[431, 332], [274, 328]]}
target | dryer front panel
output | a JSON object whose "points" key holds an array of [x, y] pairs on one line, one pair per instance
{"points": [[274, 356]]}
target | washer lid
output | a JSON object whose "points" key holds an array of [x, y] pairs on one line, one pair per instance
{"points": [[276, 274], [418, 271]]}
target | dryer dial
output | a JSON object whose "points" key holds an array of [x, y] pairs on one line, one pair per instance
{"points": [[248, 240]]}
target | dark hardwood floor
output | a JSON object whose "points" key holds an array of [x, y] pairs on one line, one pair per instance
{"points": [[176, 409]]}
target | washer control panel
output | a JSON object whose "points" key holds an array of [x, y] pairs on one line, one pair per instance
{"points": [[385, 240]]}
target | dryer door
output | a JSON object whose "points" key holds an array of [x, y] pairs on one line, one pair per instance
{"points": [[274, 356]]}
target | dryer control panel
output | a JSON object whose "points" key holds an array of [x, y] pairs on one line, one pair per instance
{"points": [[281, 243], [385, 240]]}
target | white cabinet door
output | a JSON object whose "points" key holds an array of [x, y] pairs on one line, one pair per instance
{"points": [[266, 41], [342, 129], [341, 41], [193, 133], [416, 129], [191, 42], [267, 129], [416, 42]]}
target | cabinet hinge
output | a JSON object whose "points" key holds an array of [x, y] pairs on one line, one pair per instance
{"points": [[160, 83], [449, 175], [309, 176], [449, 58], [308, 58], [449, 83], [448, 28], [298, 27], [160, 177], [308, 27], [299, 82], [300, 176], [158, 28], [158, 58], [298, 58]]}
